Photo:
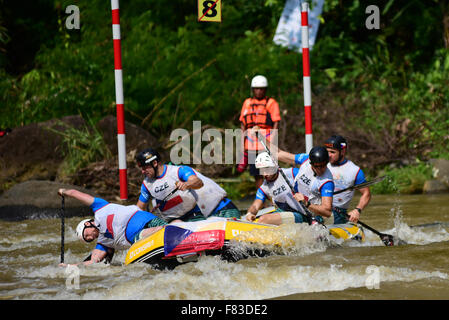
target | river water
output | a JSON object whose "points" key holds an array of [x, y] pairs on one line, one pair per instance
{"points": [[30, 253]]}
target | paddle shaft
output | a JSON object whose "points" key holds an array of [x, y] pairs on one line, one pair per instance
{"points": [[387, 239], [62, 228], [369, 228], [163, 200], [362, 185]]}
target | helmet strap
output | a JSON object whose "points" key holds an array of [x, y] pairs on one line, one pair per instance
{"points": [[91, 225], [155, 167], [341, 156]]}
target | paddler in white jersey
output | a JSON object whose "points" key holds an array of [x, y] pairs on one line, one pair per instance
{"points": [[195, 196], [313, 186], [114, 226], [345, 174]]}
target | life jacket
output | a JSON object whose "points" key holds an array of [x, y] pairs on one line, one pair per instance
{"points": [[177, 205], [344, 177], [252, 142], [255, 113], [280, 193], [112, 221], [209, 195], [258, 113], [309, 184]]}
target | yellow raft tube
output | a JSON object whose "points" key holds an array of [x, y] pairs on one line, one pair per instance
{"points": [[179, 243]]}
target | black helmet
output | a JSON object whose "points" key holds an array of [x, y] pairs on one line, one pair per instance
{"points": [[147, 156], [318, 155], [336, 142]]}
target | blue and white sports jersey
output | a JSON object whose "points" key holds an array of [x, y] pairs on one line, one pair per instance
{"points": [[300, 158], [279, 191], [345, 175], [117, 223], [184, 172], [311, 186], [177, 205]]}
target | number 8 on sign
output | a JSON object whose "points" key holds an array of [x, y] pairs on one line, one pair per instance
{"points": [[209, 10]]}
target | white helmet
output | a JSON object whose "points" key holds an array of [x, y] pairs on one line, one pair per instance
{"points": [[265, 163], [80, 229], [259, 82]]}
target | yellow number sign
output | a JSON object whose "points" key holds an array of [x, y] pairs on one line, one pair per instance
{"points": [[209, 10]]}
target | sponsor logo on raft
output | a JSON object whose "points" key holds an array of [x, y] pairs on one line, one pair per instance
{"points": [[134, 253], [236, 232]]}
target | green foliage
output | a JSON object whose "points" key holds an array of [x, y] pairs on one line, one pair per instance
{"points": [[396, 78], [82, 146], [177, 70], [241, 189], [406, 180]]}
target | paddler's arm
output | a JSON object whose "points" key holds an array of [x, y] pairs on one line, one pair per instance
{"points": [[324, 209], [144, 198], [253, 209], [286, 157], [283, 156], [96, 256], [80, 196], [188, 179], [327, 195], [142, 205], [290, 158], [354, 215], [192, 183]]}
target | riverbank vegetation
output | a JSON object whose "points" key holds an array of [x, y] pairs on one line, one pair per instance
{"points": [[386, 90]]}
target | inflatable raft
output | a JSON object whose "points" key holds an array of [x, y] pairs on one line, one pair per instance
{"points": [[180, 243]]}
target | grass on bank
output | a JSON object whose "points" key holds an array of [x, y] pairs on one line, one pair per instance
{"points": [[81, 146], [405, 180]]}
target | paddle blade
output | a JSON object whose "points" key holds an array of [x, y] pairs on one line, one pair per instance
{"points": [[265, 211], [390, 241], [387, 239]]}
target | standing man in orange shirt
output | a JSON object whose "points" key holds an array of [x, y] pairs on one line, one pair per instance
{"points": [[259, 113]]}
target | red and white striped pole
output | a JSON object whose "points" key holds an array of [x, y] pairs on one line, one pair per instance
{"points": [[119, 100], [306, 75]]}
